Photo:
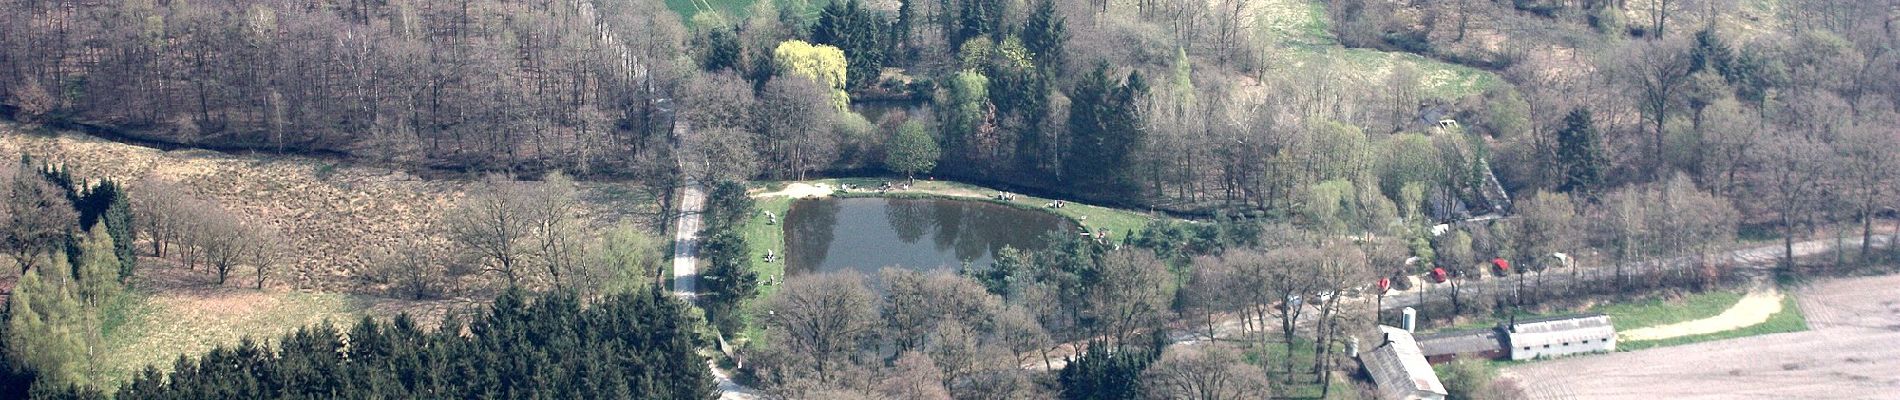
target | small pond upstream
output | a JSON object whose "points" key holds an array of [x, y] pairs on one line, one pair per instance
{"points": [[868, 234]]}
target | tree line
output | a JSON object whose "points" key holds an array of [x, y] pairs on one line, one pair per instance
{"points": [[630, 345]]}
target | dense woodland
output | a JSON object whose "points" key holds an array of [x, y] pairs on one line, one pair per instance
{"points": [[1620, 132], [1185, 107]]}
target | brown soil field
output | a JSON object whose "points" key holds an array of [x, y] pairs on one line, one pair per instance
{"points": [[1851, 352]]}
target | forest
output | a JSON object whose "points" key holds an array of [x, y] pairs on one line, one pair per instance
{"points": [[1315, 146]]}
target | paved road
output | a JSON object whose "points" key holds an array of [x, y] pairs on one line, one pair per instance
{"points": [[1852, 352], [686, 241], [692, 203], [1754, 260]]}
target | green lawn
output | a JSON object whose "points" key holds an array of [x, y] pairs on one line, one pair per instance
{"points": [[1658, 312], [734, 11], [761, 236], [1305, 39], [1788, 320], [1643, 313]]}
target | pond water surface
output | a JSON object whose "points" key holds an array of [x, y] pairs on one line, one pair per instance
{"points": [[867, 234]]}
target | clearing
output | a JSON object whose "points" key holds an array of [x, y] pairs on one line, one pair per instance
{"points": [[1849, 354], [334, 215]]}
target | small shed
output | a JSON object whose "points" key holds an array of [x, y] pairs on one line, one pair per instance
{"points": [[1445, 347], [1399, 369], [1560, 336]]}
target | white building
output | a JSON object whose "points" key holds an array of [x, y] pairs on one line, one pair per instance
{"points": [[1399, 369], [1560, 336]]}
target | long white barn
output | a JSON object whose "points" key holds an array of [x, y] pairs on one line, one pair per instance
{"points": [[1561, 336]]}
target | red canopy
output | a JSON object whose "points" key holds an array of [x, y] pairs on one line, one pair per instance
{"points": [[1502, 264], [1438, 274]]}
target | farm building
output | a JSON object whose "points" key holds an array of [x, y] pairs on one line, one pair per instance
{"points": [[1448, 346], [1398, 369], [1561, 335], [1523, 339]]}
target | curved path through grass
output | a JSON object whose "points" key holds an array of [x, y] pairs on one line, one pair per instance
{"points": [[1753, 309]]}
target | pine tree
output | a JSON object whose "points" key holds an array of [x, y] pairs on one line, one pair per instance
{"points": [[723, 51], [1580, 155], [1045, 33], [1104, 134]]}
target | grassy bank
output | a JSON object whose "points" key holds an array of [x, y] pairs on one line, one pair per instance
{"points": [[1788, 320], [1659, 312], [1627, 315]]}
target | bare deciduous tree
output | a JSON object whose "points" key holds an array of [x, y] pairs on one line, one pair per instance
{"points": [[827, 317], [158, 209], [1212, 371], [1132, 293]]}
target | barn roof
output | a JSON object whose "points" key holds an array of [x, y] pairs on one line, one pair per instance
{"points": [[1568, 328], [1398, 366], [1460, 342]]}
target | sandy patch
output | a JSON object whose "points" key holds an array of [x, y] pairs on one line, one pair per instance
{"points": [[1755, 308], [800, 190]]}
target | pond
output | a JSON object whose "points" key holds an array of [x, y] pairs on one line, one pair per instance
{"points": [[868, 234]]}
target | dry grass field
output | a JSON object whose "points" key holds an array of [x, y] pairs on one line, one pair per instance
{"points": [[335, 216]]}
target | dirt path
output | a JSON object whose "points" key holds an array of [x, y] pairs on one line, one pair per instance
{"points": [[1755, 308], [799, 190]]}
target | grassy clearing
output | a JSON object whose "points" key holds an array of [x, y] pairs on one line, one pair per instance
{"points": [[733, 10], [154, 329], [1304, 38], [1788, 320]]}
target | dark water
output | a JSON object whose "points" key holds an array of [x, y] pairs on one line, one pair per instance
{"points": [[867, 234]]}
